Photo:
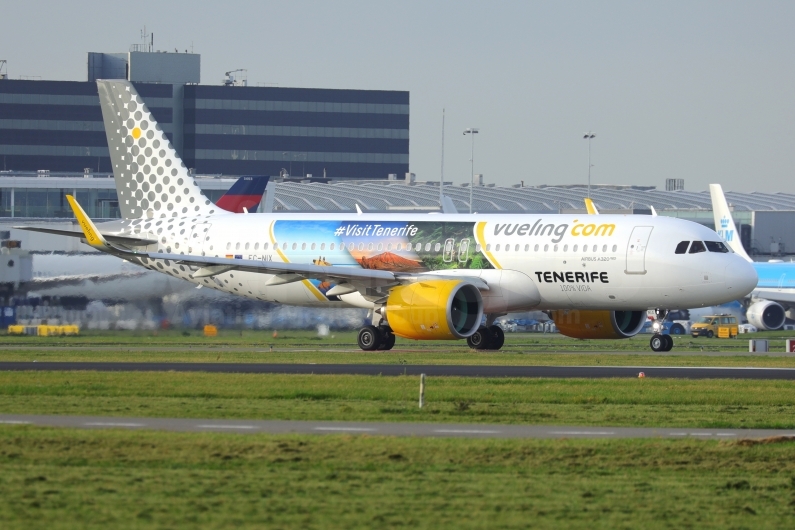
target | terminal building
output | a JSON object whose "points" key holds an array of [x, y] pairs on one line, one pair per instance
{"points": [[228, 129]]}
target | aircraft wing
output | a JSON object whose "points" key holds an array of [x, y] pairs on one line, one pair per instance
{"points": [[121, 240], [359, 279], [776, 295]]}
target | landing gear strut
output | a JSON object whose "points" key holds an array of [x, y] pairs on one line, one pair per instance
{"points": [[661, 341]]}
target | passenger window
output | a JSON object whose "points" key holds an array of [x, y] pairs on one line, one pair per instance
{"points": [[681, 248], [697, 246], [322, 246], [237, 246], [350, 247], [437, 247], [565, 248], [555, 249], [585, 248], [303, 246], [388, 246], [256, 246], [574, 248], [229, 245], [535, 248], [265, 246], [370, 246], [488, 246], [313, 246], [516, 248], [716, 246], [332, 246], [246, 246], [361, 246], [615, 247], [380, 247], [284, 246], [427, 247], [546, 248], [527, 247], [478, 248], [497, 248], [295, 245], [604, 248]]}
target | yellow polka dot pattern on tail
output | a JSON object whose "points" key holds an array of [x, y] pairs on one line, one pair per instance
{"points": [[136, 133]]}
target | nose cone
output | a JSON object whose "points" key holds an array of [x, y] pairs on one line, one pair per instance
{"points": [[741, 277]]}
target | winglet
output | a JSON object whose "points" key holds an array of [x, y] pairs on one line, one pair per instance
{"points": [[653, 211], [93, 235], [589, 205], [358, 210]]}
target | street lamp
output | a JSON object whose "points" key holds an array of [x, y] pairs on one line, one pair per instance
{"points": [[589, 135], [472, 131]]}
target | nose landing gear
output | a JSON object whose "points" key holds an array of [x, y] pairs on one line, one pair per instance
{"points": [[661, 341]]}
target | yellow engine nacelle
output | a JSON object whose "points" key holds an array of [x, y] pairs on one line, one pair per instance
{"points": [[434, 310], [599, 324]]}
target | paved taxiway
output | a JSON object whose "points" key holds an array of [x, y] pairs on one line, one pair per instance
{"points": [[438, 370], [428, 430]]}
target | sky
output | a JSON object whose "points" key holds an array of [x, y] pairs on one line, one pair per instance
{"points": [[697, 90]]}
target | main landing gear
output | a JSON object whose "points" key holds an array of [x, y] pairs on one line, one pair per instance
{"points": [[660, 341], [487, 338], [373, 338]]}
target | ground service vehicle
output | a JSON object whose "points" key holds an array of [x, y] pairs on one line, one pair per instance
{"points": [[423, 277], [709, 326]]}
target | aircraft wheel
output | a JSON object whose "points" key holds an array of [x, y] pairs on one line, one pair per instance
{"points": [[369, 338], [677, 329], [657, 342], [710, 334], [480, 340], [389, 341], [669, 342], [497, 337]]}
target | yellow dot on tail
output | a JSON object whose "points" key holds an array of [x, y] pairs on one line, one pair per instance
{"points": [[136, 133]]}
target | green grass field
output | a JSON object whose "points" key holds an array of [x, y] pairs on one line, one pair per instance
{"points": [[58, 479], [614, 402], [64, 478], [307, 347]]}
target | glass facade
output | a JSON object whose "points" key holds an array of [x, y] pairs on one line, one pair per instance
{"points": [[57, 126], [269, 131], [51, 202]]}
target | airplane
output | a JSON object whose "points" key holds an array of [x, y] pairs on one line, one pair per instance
{"points": [[245, 194], [421, 277], [773, 298]]}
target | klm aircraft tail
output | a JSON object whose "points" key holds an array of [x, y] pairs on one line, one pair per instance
{"points": [[151, 180], [724, 224]]}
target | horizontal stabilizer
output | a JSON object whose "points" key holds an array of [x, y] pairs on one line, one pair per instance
{"points": [[120, 240]]}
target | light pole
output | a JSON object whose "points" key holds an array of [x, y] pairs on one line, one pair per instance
{"points": [[471, 131], [588, 136]]}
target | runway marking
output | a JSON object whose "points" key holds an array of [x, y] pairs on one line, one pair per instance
{"points": [[351, 429], [15, 422], [465, 431], [226, 426], [604, 433], [725, 434], [113, 424]]}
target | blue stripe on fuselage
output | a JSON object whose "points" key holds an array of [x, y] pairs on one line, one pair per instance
{"points": [[775, 275]]}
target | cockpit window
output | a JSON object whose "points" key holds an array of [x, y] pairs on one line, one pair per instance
{"points": [[681, 248], [716, 246], [697, 246]]}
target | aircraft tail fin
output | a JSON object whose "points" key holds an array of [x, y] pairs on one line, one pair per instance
{"points": [[246, 192], [724, 223], [151, 179]]}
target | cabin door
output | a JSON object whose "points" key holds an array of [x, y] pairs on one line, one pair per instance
{"points": [[636, 250]]}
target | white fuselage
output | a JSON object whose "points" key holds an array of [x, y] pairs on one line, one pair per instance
{"points": [[620, 262]]}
